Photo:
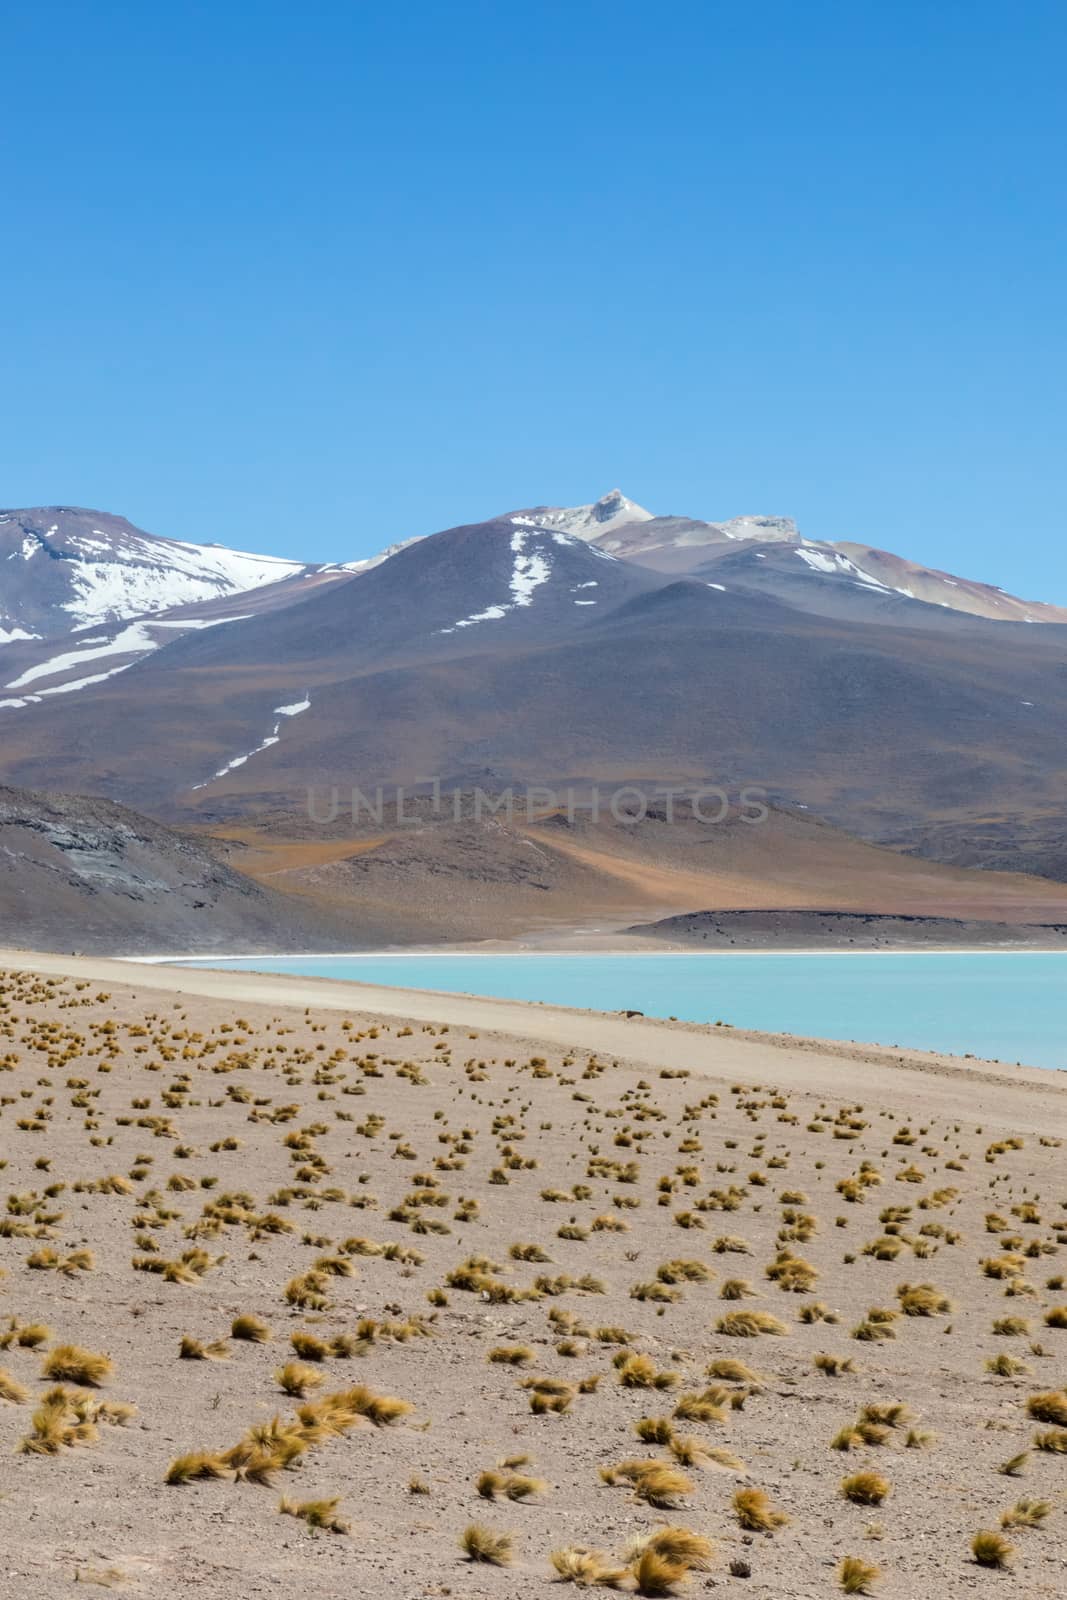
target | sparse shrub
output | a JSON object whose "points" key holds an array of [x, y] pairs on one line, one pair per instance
{"points": [[1026, 1514], [316, 1513], [755, 1513], [991, 1549], [249, 1327], [865, 1488], [71, 1363], [857, 1577], [480, 1543], [749, 1324]]}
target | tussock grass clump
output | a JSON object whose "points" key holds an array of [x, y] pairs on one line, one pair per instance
{"points": [[296, 1379], [732, 1371], [307, 1291], [1026, 1514], [923, 1300], [251, 1328], [857, 1577], [887, 1414], [511, 1355], [690, 1452], [651, 1480], [51, 1430], [791, 1272], [654, 1430], [1050, 1407], [1006, 1266], [662, 1486], [196, 1464], [655, 1574], [27, 1336], [710, 1406], [683, 1270], [1054, 1442], [586, 1568], [755, 1513], [316, 1513], [191, 1349], [480, 1543], [12, 1390], [380, 1409], [528, 1252], [70, 1363], [1006, 1366], [640, 1372], [609, 1223], [991, 1549], [870, 1331], [674, 1544], [865, 1488], [659, 1293], [544, 1403], [816, 1311], [749, 1324], [495, 1484], [308, 1346], [48, 1260], [1056, 1318], [66, 1418], [832, 1366]]}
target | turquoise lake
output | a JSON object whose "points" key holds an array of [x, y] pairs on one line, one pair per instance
{"points": [[1009, 1007]]}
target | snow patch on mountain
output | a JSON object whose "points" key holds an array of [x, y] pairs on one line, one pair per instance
{"points": [[103, 591], [529, 572], [835, 565], [530, 569], [70, 687], [135, 640], [281, 712], [125, 642]]}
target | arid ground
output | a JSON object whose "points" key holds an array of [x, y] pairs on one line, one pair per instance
{"points": [[410, 1265]]}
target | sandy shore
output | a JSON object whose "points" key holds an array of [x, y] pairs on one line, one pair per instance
{"points": [[473, 1174]]}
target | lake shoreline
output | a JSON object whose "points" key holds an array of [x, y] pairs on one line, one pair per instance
{"points": [[608, 1028], [443, 951]]}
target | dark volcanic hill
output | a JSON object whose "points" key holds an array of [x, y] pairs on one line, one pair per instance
{"points": [[86, 875]]}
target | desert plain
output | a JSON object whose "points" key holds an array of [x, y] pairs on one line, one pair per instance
{"points": [[315, 1290]]}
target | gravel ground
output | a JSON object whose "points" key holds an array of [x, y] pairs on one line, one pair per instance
{"points": [[724, 1162]]}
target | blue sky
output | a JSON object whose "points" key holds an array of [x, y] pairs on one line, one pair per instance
{"points": [[311, 279]]}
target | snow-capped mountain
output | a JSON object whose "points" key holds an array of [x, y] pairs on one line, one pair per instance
{"points": [[598, 520], [684, 545], [120, 593], [63, 568], [520, 649]]}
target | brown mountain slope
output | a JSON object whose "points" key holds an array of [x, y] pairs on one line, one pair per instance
{"points": [[492, 879]]}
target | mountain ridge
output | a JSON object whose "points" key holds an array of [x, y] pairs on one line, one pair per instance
{"points": [[99, 570]]}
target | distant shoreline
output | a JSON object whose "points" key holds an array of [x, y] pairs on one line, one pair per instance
{"points": [[703, 1048], [420, 952]]}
